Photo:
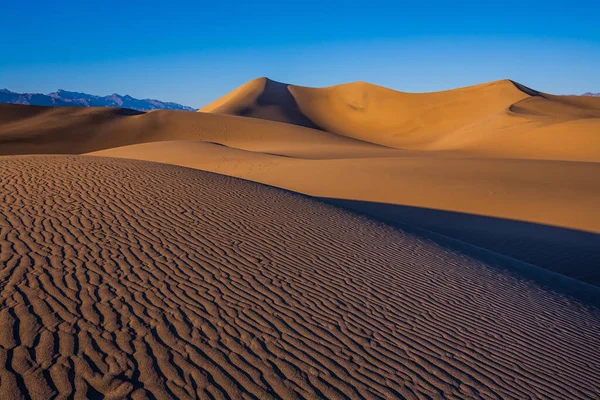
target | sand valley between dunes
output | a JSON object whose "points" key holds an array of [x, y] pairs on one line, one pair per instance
{"points": [[289, 242]]}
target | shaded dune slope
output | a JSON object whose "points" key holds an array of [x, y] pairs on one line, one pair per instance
{"points": [[261, 98], [554, 107], [124, 278]]}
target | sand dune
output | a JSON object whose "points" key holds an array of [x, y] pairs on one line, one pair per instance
{"points": [[126, 278], [73, 130], [526, 205], [497, 118]]}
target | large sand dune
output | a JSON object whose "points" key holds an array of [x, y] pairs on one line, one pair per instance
{"points": [[501, 118], [125, 278]]}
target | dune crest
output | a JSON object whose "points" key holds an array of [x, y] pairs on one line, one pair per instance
{"points": [[366, 111]]}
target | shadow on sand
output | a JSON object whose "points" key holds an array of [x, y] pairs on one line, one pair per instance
{"points": [[569, 252]]}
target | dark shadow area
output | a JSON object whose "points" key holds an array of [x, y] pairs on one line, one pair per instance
{"points": [[93, 394], [276, 103], [525, 89], [569, 252]]}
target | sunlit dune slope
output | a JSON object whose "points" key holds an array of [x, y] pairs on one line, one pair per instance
{"points": [[497, 118], [127, 279]]}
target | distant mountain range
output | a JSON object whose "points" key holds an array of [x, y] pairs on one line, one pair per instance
{"points": [[75, 99], [591, 94]]}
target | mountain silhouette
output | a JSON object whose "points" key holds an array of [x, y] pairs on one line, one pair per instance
{"points": [[76, 99]]}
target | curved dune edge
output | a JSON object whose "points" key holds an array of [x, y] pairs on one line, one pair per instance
{"points": [[504, 188], [124, 278], [540, 212]]}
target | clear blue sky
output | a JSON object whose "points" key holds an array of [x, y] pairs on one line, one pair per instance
{"points": [[193, 52]]}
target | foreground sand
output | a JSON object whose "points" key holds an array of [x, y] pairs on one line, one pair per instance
{"points": [[133, 278]]}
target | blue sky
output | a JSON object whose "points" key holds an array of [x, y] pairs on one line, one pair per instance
{"points": [[194, 52]]}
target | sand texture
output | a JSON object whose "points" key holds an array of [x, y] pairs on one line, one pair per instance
{"points": [[379, 244], [124, 278], [520, 208]]}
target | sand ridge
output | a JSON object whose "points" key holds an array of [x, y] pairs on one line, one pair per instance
{"points": [[126, 278], [520, 208], [499, 119]]}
